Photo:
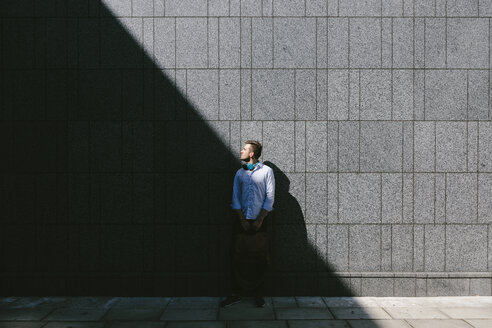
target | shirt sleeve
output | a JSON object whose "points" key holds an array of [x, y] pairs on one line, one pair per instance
{"points": [[236, 193], [270, 191]]}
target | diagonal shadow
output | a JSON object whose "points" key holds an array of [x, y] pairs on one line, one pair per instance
{"points": [[107, 183]]}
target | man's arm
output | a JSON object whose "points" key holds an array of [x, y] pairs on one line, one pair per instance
{"points": [[269, 199]]}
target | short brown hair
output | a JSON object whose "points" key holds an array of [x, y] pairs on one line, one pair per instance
{"points": [[257, 147]]}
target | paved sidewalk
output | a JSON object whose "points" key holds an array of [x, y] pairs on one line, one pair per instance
{"points": [[204, 312]]}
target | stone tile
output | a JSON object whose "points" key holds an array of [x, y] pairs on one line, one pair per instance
{"points": [[419, 36], [348, 157], [305, 100], [300, 150], [338, 42], [262, 42], [316, 8], [321, 36], [213, 42], [419, 95], [191, 42], [415, 313], [402, 248], [318, 323], [196, 324], [338, 94], [472, 147], [404, 287], [230, 43], [480, 323], [246, 100], [392, 7], [360, 313], [350, 302], [375, 95], [295, 42], [402, 95], [251, 8], [316, 195], [304, 313], [461, 198], [478, 105], [140, 324], [467, 42], [485, 147], [284, 301], [386, 42], [253, 313], [229, 95], [273, 94], [246, 42], [64, 324], [485, 8], [359, 198], [451, 150], [467, 312], [378, 324], [72, 314], [354, 95], [133, 314], [435, 43], [316, 146], [447, 287], [37, 313], [380, 146], [366, 8], [186, 8], [377, 286], [424, 145], [203, 92], [189, 314], [278, 144], [364, 251], [440, 323], [424, 199], [440, 205], [322, 95], [365, 42], [289, 8], [141, 302], [484, 197], [434, 252], [267, 7], [445, 94], [310, 302], [462, 8], [338, 247], [235, 8], [391, 211], [480, 287], [333, 146], [466, 248]]}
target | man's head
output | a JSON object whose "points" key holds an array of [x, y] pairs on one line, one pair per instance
{"points": [[251, 150]]}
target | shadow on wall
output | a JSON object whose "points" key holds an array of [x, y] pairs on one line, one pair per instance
{"points": [[106, 185]]}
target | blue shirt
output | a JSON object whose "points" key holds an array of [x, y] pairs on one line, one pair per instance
{"points": [[253, 190]]}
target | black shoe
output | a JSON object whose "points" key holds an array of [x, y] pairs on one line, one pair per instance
{"points": [[259, 301], [230, 300]]}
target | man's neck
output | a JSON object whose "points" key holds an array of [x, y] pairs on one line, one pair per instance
{"points": [[252, 161]]}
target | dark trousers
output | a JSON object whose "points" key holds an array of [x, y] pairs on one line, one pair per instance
{"points": [[235, 286]]}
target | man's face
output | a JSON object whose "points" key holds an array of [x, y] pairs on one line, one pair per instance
{"points": [[246, 152]]}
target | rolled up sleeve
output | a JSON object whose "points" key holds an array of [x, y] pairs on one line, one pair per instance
{"points": [[270, 191], [236, 193]]}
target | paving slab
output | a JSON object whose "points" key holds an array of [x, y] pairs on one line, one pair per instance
{"points": [[379, 324], [241, 313], [133, 314], [310, 301], [258, 324], [350, 302], [415, 313], [134, 324], [82, 302], [360, 313], [65, 324], [196, 324], [14, 324], [438, 323], [477, 323], [318, 324], [193, 302], [303, 313], [287, 301], [190, 314], [24, 314], [69, 314], [468, 312], [141, 302]]}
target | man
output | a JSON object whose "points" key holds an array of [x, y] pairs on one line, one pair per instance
{"points": [[252, 200]]}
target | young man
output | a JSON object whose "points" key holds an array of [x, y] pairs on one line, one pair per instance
{"points": [[252, 199]]}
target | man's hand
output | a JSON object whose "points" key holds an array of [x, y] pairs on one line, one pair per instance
{"points": [[245, 224], [256, 225]]}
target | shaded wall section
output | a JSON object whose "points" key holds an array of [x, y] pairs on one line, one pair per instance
{"points": [[375, 116]]}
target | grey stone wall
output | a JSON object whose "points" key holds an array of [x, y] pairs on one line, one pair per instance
{"points": [[375, 115]]}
